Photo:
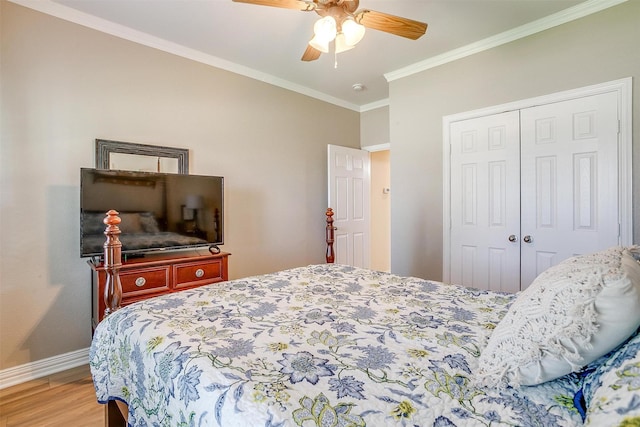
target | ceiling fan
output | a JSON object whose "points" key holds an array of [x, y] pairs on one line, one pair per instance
{"points": [[344, 24]]}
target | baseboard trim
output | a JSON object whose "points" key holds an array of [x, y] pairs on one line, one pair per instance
{"points": [[41, 368]]}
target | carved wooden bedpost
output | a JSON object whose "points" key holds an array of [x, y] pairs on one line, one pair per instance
{"points": [[330, 232], [112, 263]]}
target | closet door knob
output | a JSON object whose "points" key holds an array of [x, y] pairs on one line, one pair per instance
{"points": [[527, 239], [513, 238]]}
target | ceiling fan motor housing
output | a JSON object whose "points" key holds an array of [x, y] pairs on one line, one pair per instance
{"points": [[338, 13]]}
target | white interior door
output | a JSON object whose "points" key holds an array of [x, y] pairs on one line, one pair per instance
{"points": [[569, 177], [485, 202], [349, 197]]}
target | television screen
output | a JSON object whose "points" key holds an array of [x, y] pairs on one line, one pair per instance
{"points": [[159, 211]]}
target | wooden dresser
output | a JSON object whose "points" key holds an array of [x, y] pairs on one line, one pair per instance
{"points": [[144, 278]]}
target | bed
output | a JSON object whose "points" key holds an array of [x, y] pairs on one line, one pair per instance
{"points": [[334, 345]]}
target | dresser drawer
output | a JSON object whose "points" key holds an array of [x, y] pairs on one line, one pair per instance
{"points": [[149, 280], [198, 273], [157, 275]]}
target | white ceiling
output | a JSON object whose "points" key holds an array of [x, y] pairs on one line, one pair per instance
{"points": [[266, 43]]}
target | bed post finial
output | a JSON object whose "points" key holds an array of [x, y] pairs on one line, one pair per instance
{"points": [[330, 229], [112, 263]]}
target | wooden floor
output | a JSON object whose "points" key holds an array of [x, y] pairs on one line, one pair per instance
{"points": [[65, 399]]}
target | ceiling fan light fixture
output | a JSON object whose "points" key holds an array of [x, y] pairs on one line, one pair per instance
{"points": [[324, 32], [319, 44], [353, 32], [341, 44], [325, 29]]}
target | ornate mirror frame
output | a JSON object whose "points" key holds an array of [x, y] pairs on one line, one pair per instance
{"points": [[104, 148]]}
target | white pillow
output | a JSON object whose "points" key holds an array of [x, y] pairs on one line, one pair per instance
{"points": [[569, 316]]}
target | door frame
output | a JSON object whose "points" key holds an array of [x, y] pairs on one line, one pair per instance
{"points": [[623, 88]]}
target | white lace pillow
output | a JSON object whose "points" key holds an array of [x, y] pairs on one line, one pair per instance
{"points": [[569, 316]]}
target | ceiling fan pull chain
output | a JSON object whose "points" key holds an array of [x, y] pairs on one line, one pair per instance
{"points": [[335, 64]]}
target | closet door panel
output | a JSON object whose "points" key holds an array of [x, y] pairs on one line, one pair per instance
{"points": [[485, 202], [569, 172]]}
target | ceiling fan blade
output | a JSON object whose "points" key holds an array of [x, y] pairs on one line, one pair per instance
{"points": [[286, 4], [403, 27], [311, 54]]}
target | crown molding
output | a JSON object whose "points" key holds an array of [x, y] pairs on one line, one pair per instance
{"points": [[581, 10], [72, 15], [374, 105]]}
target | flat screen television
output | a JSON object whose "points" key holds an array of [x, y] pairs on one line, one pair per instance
{"points": [[159, 211]]}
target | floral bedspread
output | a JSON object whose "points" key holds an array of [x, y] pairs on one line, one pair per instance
{"points": [[323, 345]]}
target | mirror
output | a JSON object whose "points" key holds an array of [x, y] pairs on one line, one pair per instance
{"points": [[141, 157]]}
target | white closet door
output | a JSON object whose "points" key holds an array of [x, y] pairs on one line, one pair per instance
{"points": [[485, 202], [569, 178]]}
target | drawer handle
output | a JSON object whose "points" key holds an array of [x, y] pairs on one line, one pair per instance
{"points": [[140, 281], [199, 273]]}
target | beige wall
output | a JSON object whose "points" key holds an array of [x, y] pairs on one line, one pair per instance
{"points": [[595, 49], [380, 211], [64, 85], [374, 127]]}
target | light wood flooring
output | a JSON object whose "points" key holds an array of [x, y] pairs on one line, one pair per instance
{"points": [[65, 399]]}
